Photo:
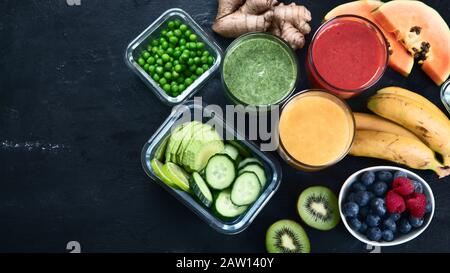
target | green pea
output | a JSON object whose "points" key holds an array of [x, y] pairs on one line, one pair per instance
{"points": [[162, 81], [170, 51], [160, 62], [181, 87], [177, 23], [146, 67], [175, 62], [200, 45], [177, 54], [188, 81], [187, 33], [197, 60], [151, 69], [180, 80], [204, 59], [184, 57], [168, 66], [165, 45], [205, 67], [156, 77], [154, 43], [182, 41], [168, 75], [205, 53], [175, 75], [149, 48], [164, 32], [193, 68], [166, 87], [161, 52], [169, 34], [174, 88], [192, 37], [162, 40], [154, 50], [173, 40], [210, 60], [199, 71], [194, 77], [151, 60], [159, 70], [191, 46], [190, 61], [165, 57], [145, 54], [183, 27], [177, 33], [141, 61], [171, 24], [192, 54], [183, 47], [178, 68]]}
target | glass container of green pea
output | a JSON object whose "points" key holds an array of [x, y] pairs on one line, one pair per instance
{"points": [[174, 56]]}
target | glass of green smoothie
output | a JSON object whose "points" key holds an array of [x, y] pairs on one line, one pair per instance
{"points": [[260, 70]]}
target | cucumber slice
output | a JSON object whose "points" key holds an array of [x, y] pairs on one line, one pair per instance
{"points": [[220, 171], [177, 175], [200, 189], [243, 150], [225, 207], [246, 189], [247, 161], [258, 170], [160, 152], [231, 151], [157, 167]]}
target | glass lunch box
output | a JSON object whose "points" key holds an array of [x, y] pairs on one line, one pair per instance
{"points": [[142, 40], [272, 167]]}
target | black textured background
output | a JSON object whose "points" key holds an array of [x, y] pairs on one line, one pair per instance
{"points": [[73, 119]]}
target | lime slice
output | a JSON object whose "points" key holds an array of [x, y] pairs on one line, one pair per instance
{"points": [[157, 167], [177, 175]]}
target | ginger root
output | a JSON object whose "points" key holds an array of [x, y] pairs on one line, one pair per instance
{"points": [[289, 22]]}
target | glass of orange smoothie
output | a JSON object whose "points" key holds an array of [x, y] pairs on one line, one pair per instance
{"points": [[316, 130]]}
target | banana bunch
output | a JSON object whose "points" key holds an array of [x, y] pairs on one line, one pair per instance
{"points": [[408, 130]]}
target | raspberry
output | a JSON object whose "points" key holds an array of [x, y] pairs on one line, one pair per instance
{"points": [[395, 202], [403, 186], [416, 204]]}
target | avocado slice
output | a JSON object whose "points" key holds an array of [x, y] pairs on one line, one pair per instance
{"points": [[171, 141], [186, 139]]}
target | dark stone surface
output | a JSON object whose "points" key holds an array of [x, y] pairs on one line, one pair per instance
{"points": [[73, 119]]}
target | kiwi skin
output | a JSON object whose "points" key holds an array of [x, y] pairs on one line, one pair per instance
{"points": [[291, 229], [319, 221]]}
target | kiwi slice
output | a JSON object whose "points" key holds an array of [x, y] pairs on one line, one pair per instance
{"points": [[287, 236], [318, 208]]}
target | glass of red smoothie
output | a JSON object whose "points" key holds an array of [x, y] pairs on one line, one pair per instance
{"points": [[347, 55]]}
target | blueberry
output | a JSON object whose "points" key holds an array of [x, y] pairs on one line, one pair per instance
{"points": [[358, 187], [368, 178], [351, 197], [388, 235], [384, 175], [363, 212], [355, 223], [415, 222], [350, 209], [398, 174], [378, 206], [379, 188], [362, 198], [418, 187], [374, 234], [404, 226], [363, 228], [373, 220], [371, 195], [389, 224], [428, 208], [395, 216]]}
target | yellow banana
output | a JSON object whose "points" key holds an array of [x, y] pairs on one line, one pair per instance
{"points": [[397, 148], [433, 130], [365, 121], [414, 96]]}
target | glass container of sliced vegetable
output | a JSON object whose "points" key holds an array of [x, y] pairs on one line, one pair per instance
{"points": [[174, 56], [205, 164]]}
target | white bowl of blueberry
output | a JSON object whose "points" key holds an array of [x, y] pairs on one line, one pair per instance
{"points": [[386, 206]]}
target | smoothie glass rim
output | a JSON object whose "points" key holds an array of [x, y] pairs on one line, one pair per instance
{"points": [[264, 35], [342, 103], [378, 31]]}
